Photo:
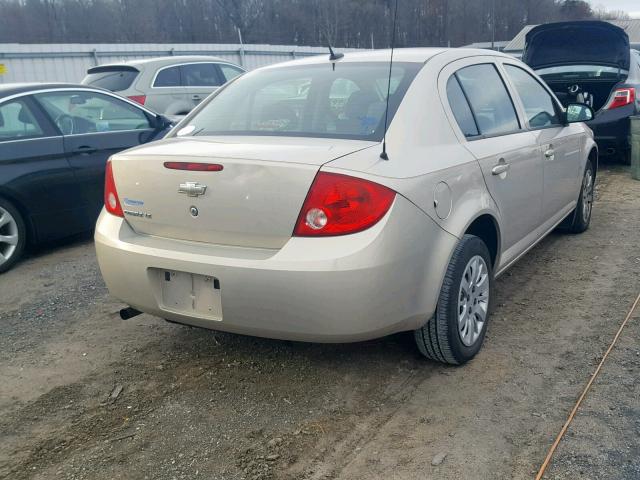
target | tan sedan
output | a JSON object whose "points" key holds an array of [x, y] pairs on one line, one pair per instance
{"points": [[271, 210]]}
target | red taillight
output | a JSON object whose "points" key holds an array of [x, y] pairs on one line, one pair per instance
{"points": [[339, 204], [111, 200], [138, 98], [194, 166], [622, 97]]}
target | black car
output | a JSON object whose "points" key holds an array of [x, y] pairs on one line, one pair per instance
{"points": [[54, 143], [591, 62]]}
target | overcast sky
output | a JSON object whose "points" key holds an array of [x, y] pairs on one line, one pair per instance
{"points": [[632, 7]]}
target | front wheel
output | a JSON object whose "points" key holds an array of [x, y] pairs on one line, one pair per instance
{"points": [[456, 331]]}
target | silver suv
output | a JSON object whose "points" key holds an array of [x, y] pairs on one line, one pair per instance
{"points": [[167, 85]]}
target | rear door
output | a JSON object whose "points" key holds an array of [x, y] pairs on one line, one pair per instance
{"points": [[508, 154], [559, 144], [94, 126], [34, 170], [200, 79], [166, 94]]}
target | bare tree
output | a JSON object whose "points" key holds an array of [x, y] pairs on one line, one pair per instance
{"points": [[343, 23]]}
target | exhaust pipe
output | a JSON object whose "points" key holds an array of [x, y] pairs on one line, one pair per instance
{"points": [[129, 312]]}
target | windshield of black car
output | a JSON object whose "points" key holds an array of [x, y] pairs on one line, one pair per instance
{"points": [[345, 100], [568, 72], [113, 80]]}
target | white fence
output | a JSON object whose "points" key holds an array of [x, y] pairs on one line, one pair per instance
{"points": [[68, 62]]}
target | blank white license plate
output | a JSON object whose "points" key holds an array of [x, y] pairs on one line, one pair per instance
{"points": [[190, 293]]}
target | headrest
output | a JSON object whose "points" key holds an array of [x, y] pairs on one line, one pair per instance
{"points": [[24, 116]]}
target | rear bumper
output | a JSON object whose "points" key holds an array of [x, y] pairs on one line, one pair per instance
{"points": [[373, 283], [611, 130]]}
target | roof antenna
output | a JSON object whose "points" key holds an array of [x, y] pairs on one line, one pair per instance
{"points": [[333, 56], [383, 154]]}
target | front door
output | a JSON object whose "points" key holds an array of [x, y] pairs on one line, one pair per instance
{"points": [[35, 172], [94, 127]]}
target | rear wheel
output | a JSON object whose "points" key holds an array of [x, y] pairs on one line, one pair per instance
{"points": [[582, 213], [12, 235], [456, 331], [625, 157]]}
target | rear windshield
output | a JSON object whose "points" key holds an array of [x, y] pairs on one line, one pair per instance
{"points": [[114, 80], [568, 72], [308, 101]]}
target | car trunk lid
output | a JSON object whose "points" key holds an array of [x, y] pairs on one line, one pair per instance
{"points": [[253, 201], [577, 43]]}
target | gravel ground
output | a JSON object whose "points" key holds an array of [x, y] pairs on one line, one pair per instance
{"points": [[87, 396]]}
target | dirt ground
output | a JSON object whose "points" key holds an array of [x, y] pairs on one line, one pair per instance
{"points": [[84, 395]]}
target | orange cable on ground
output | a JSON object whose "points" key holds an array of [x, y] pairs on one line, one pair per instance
{"points": [[553, 448]]}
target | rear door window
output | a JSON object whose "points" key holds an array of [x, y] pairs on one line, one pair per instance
{"points": [[229, 71], [538, 103], [113, 79], [489, 99], [18, 122], [460, 108], [168, 77], [201, 75]]}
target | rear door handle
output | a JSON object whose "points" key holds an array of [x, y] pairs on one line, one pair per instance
{"points": [[500, 168], [196, 97], [85, 150]]}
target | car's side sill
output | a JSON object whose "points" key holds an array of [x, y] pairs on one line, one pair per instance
{"points": [[539, 238]]}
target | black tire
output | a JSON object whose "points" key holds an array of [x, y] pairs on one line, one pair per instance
{"points": [[581, 221], [439, 339], [4, 230], [625, 157]]}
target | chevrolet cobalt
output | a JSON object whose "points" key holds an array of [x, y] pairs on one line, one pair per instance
{"points": [[297, 203]]}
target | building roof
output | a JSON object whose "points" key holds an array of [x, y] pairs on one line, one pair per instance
{"points": [[631, 27]]}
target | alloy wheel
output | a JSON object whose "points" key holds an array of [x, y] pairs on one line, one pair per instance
{"points": [[473, 300], [587, 195], [8, 235]]}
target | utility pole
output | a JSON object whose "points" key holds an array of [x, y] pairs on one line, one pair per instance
{"points": [[493, 24], [241, 48]]}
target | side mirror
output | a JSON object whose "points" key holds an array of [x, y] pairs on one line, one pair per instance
{"points": [[578, 112], [163, 122]]}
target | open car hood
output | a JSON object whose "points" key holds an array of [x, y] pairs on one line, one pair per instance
{"points": [[577, 43]]}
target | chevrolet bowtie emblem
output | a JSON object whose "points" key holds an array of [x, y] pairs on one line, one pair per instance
{"points": [[192, 189]]}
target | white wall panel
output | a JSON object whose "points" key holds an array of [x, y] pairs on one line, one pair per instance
{"points": [[68, 62]]}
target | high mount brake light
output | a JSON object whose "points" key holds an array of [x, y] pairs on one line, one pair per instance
{"points": [[194, 166], [111, 200], [622, 97], [340, 204]]}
